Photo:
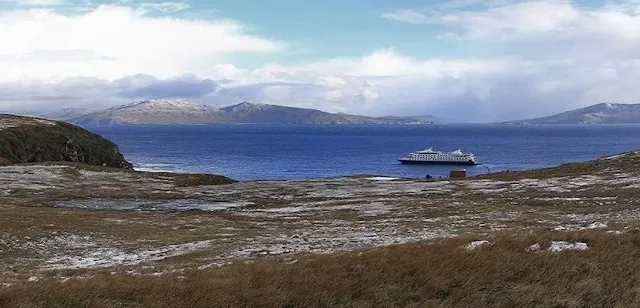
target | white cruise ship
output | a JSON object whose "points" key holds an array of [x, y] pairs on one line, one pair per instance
{"points": [[429, 156]]}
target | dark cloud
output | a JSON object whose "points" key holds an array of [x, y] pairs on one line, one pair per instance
{"points": [[89, 92], [145, 86]]}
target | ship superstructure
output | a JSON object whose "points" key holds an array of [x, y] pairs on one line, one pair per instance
{"points": [[430, 156]]}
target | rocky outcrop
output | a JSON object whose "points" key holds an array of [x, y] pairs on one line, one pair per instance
{"points": [[29, 140]]}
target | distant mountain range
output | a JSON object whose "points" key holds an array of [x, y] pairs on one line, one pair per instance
{"points": [[185, 112], [605, 113], [63, 114]]}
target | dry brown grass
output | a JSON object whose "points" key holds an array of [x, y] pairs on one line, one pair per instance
{"points": [[435, 274], [326, 216], [627, 162]]}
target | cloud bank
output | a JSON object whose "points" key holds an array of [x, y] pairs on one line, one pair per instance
{"points": [[548, 56]]}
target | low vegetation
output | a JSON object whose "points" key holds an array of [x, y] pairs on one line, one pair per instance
{"points": [[429, 274], [29, 140], [73, 235]]}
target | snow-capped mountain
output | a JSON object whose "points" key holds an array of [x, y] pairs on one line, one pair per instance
{"points": [[604, 113], [160, 111], [186, 112], [161, 104]]}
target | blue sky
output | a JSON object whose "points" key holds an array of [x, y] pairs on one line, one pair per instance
{"points": [[469, 60], [322, 29]]}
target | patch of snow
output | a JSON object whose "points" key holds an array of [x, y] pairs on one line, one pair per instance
{"points": [[45, 122], [108, 257], [614, 232], [10, 122], [164, 104], [534, 247], [559, 185], [559, 199], [152, 205], [476, 244], [115, 220], [488, 186], [329, 236], [33, 279], [5, 123], [483, 184], [595, 225], [559, 246], [366, 209]]}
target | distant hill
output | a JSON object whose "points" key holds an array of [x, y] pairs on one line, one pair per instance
{"points": [[426, 118], [153, 112], [605, 113], [185, 112], [60, 114]]}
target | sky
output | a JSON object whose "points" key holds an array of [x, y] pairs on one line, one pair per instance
{"points": [[465, 60]]}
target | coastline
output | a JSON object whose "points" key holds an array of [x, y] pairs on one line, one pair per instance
{"points": [[68, 224]]}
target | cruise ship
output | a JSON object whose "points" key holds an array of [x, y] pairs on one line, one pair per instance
{"points": [[429, 156]]}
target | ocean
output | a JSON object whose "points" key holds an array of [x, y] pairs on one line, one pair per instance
{"points": [[294, 152]]}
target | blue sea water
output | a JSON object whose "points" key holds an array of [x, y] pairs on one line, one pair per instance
{"points": [[278, 152]]}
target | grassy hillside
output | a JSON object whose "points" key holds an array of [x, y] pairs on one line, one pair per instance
{"points": [[27, 140]]}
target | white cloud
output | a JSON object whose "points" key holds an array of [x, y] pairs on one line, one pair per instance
{"points": [[518, 17], [459, 4], [480, 90], [562, 56], [559, 56], [165, 7], [123, 40], [383, 82], [35, 2], [410, 16]]}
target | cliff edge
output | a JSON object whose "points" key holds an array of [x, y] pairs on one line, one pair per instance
{"points": [[29, 140]]}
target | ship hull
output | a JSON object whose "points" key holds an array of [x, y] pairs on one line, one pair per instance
{"points": [[432, 162]]}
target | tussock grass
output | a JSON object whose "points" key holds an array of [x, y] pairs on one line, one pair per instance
{"points": [[431, 274]]}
